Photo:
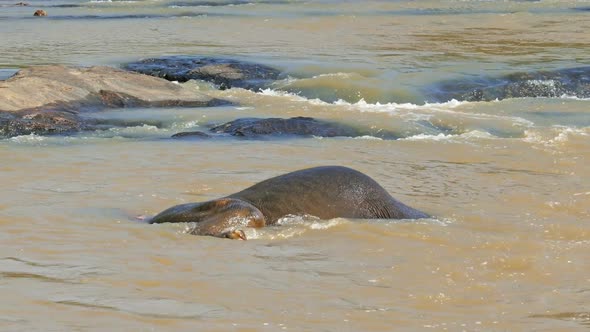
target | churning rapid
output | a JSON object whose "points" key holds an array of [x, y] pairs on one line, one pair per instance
{"points": [[475, 112]]}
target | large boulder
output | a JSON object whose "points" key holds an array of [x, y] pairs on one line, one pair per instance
{"points": [[225, 73], [571, 82], [57, 86], [47, 99]]}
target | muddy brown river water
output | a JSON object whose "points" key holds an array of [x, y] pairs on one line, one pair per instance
{"points": [[507, 181]]}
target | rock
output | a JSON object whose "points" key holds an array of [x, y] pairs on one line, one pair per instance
{"points": [[40, 122], [21, 4], [278, 127], [572, 82], [226, 73], [100, 87], [191, 135], [298, 126], [112, 99], [46, 99], [40, 12]]}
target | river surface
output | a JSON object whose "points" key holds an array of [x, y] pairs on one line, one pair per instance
{"points": [[507, 181]]}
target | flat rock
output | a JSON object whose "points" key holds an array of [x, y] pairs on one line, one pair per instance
{"points": [[61, 86], [47, 99], [572, 82], [297, 126], [225, 73]]}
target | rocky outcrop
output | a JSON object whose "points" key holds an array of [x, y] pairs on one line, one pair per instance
{"points": [[225, 73], [47, 99], [571, 82], [55, 86]]}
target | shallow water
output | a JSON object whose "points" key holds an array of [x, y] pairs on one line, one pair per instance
{"points": [[507, 181]]}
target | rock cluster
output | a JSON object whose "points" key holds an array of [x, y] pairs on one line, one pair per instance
{"points": [[48, 99], [225, 73]]}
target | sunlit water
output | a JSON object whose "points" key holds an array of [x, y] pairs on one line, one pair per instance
{"points": [[506, 181]]}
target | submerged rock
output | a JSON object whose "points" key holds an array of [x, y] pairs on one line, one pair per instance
{"points": [[191, 135], [47, 99], [297, 126], [40, 122], [571, 82], [226, 73]]}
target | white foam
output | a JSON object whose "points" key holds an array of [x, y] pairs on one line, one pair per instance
{"points": [[388, 107], [369, 137], [326, 224], [142, 128], [565, 96], [291, 96], [184, 125], [449, 137], [31, 138], [362, 105], [560, 135], [336, 75]]}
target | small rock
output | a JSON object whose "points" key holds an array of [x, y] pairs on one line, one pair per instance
{"points": [[191, 135], [40, 12]]}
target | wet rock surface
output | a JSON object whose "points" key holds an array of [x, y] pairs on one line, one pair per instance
{"points": [[572, 82], [44, 86], [225, 73], [191, 135], [297, 126], [40, 122], [47, 99]]}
